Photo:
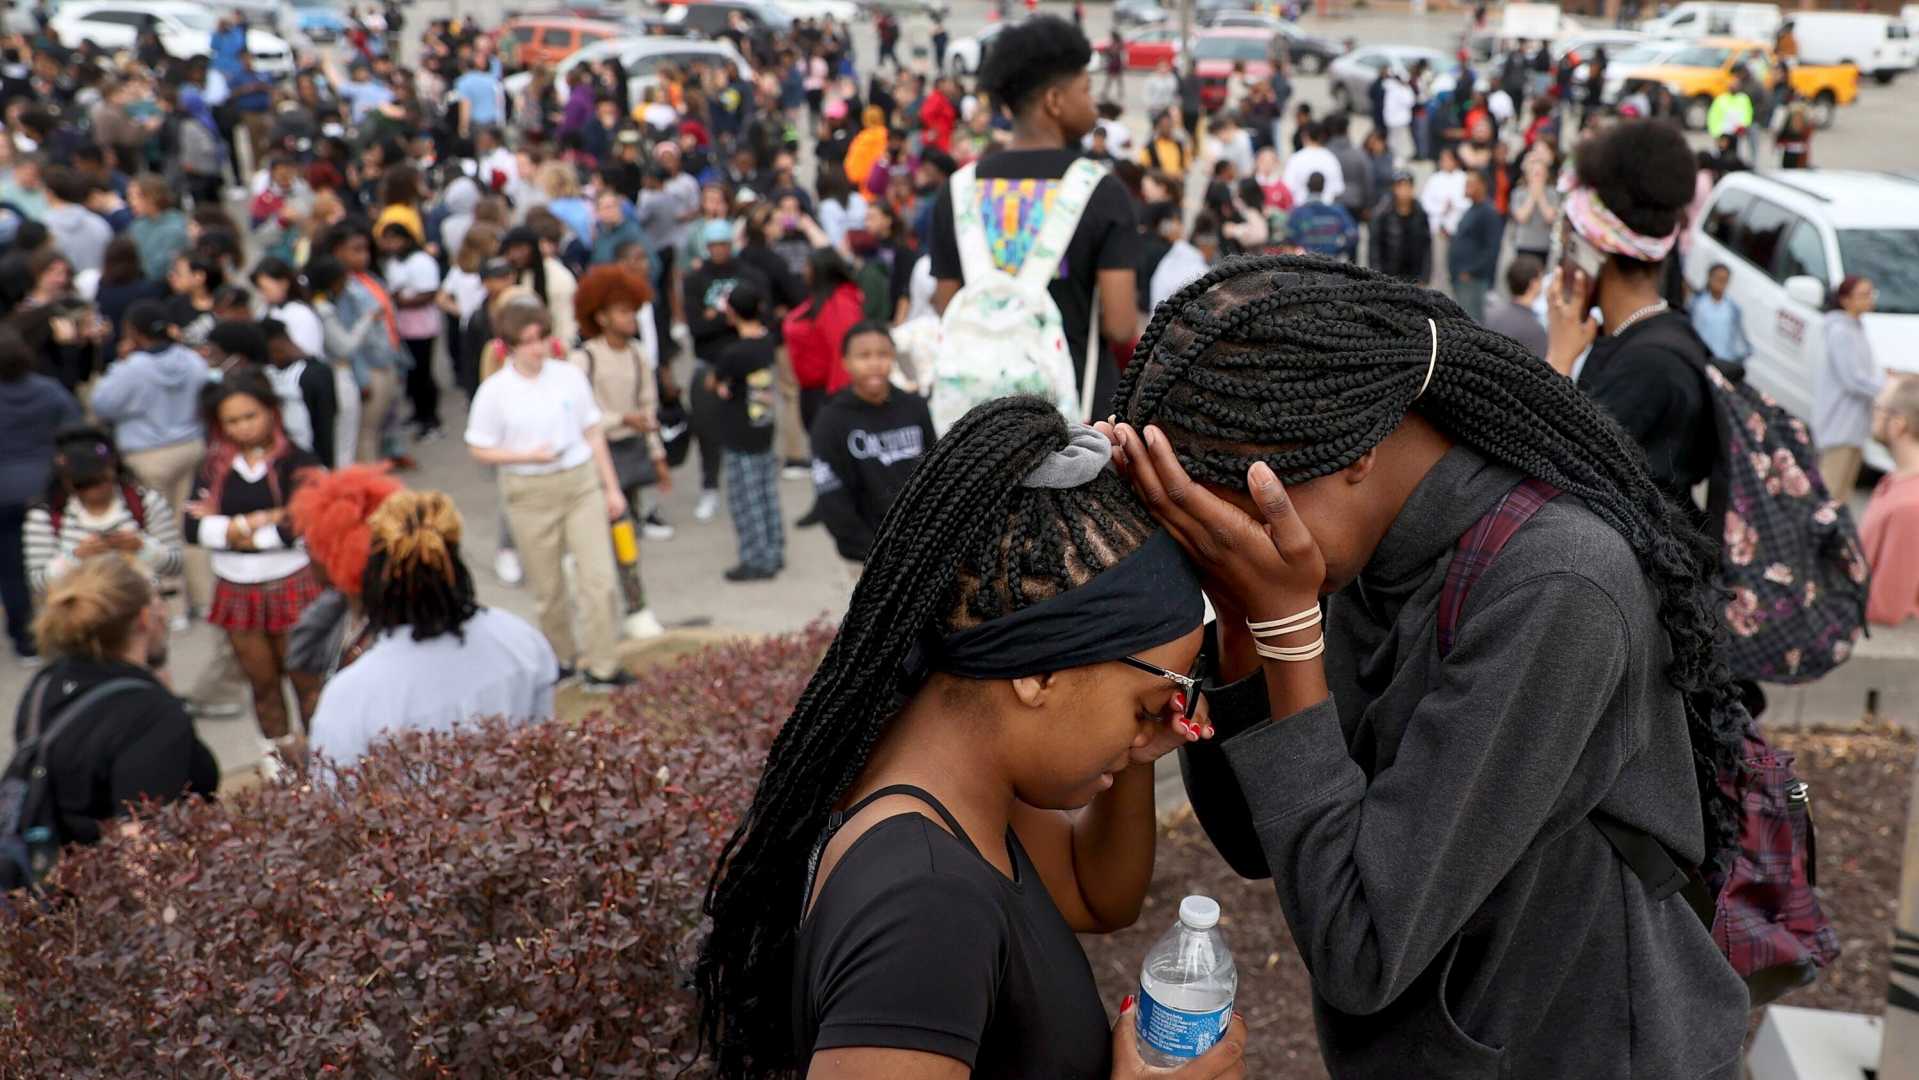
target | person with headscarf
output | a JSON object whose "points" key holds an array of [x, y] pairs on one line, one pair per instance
{"points": [[200, 151], [437, 659], [867, 147]]}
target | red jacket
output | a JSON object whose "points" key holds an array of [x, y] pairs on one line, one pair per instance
{"points": [[937, 120], [814, 344]]}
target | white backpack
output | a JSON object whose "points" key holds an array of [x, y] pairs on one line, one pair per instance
{"points": [[1001, 333]]}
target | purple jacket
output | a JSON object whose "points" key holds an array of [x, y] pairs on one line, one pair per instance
{"points": [[579, 108]]}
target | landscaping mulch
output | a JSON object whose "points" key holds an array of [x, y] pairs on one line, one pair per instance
{"points": [[1860, 783]]}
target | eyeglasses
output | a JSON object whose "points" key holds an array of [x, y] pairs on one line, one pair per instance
{"points": [[1189, 684]]}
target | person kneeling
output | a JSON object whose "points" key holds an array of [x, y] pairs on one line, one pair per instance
{"points": [[438, 658]]}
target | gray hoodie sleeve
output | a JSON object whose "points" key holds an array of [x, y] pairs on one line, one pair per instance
{"points": [[1376, 876]]}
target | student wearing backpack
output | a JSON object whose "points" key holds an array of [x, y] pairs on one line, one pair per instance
{"points": [[93, 506], [1037, 70], [1434, 814], [102, 623]]}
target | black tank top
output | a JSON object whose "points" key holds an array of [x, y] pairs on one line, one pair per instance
{"points": [[916, 942]]}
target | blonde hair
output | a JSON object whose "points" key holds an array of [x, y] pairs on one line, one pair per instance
{"points": [[559, 180], [1902, 401], [90, 611], [482, 242]]}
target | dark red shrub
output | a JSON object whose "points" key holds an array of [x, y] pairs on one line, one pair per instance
{"points": [[487, 904]]}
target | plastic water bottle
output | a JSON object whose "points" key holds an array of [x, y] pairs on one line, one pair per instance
{"points": [[1186, 988]]}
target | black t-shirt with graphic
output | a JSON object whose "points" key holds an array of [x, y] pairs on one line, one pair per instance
{"points": [[1016, 188], [863, 455], [746, 416]]}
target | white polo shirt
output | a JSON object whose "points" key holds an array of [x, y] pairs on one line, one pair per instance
{"points": [[555, 410]]}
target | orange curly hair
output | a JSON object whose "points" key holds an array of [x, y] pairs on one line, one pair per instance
{"points": [[606, 284], [330, 512]]}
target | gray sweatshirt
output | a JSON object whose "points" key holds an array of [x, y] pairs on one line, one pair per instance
{"points": [[152, 398], [1460, 914]]}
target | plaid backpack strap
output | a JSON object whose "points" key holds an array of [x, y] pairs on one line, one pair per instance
{"points": [[1481, 544]]}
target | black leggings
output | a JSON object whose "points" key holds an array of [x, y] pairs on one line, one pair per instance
{"points": [[421, 390], [706, 408]]}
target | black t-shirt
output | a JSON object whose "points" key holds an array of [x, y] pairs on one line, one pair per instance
{"points": [[1107, 239], [916, 942], [746, 417], [863, 454], [1651, 379]]}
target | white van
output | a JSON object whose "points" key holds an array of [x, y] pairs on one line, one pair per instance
{"points": [[1878, 45], [1753, 22], [1789, 238]]}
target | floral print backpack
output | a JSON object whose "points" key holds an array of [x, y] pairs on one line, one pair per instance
{"points": [[1791, 558]]}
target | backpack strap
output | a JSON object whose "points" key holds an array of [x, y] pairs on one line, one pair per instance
{"points": [[136, 503], [969, 224], [1480, 545], [37, 742], [1062, 220], [1642, 852]]}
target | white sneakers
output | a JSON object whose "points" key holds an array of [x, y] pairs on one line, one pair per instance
{"points": [[654, 527], [506, 566], [795, 472], [643, 624], [709, 507]]}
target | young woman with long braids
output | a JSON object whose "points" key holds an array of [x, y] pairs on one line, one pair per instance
{"points": [[988, 714], [263, 578], [1430, 816]]}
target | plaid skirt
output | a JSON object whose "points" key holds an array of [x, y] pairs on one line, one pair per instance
{"points": [[270, 607]]}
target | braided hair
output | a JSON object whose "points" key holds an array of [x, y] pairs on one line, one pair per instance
{"points": [[1307, 364], [962, 544], [414, 575]]}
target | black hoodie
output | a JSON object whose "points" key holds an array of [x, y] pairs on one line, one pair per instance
{"points": [[862, 456]]}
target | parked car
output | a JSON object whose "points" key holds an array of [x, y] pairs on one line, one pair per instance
{"points": [[185, 29], [1878, 45], [549, 39], [1626, 65], [1139, 13], [1698, 74], [1352, 75], [1584, 42], [904, 8], [1148, 48], [1789, 239], [322, 23], [708, 17], [1216, 53], [963, 55], [1311, 53], [1693, 20], [844, 12], [642, 57]]}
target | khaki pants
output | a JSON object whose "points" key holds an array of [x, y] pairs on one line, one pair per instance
{"points": [[554, 515], [170, 470], [794, 444], [1839, 467], [383, 393]]}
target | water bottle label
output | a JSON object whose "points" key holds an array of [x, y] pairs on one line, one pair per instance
{"points": [[1178, 1033]]}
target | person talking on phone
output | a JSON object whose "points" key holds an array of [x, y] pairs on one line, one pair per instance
{"points": [[1624, 206]]}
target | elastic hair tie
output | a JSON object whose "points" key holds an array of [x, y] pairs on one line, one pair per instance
{"points": [[1432, 362]]}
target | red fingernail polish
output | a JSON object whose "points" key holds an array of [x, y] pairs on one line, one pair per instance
{"points": [[1127, 1004]]}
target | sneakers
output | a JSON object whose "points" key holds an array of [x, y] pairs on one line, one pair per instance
{"points": [[643, 624], [429, 434], [744, 573], [654, 527], [595, 684], [277, 757], [709, 507], [567, 671], [794, 471], [506, 567], [180, 623], [809, 519]]}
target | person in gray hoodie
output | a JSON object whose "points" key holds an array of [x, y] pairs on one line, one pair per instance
{"points": [[1437, 812], [78, 232], [152, 399], [462, 197]]}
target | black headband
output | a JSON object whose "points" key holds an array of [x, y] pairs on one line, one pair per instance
{"points": [[1145, 600]]}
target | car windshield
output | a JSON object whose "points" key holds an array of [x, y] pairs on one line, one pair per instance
{"points": [[1229, 48], [1640, 54], [195, 19], [1890, 258], [1700, 57]]}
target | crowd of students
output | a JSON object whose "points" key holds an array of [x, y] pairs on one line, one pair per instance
{"points": [[618, 280]]}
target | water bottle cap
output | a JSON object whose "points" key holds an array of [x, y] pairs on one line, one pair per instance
{"points": [[1199, 912]]}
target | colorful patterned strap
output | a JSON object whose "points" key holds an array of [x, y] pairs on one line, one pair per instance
{"points": [[1480, 545], [1062, 220]]}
